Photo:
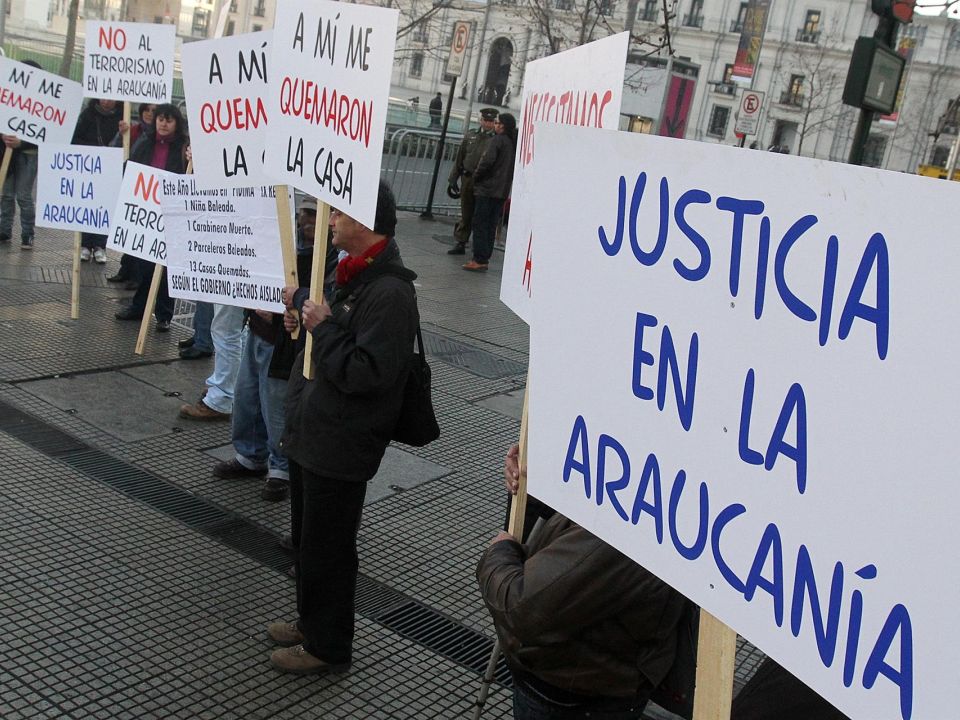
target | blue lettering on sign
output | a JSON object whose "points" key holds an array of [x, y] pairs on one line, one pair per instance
{"points": [[874, 264], [766, 571], [669, 364]]}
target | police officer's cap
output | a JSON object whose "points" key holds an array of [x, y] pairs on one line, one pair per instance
{"points": [[489, 114]]}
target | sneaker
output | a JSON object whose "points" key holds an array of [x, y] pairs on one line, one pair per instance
{"points": [[274, 489], [163, 326], [184, 344], [298, 661], [201, 411], [85, 254], [128, 313], [231, 469], [458, 249], [26, 243], [285, 634], [100, 256]]}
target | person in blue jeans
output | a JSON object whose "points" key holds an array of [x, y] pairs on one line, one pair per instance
{"points": [[18, 187], [226, 330], [200, 344]]}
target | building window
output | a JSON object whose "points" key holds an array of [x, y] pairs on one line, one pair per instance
{"points": [[233, 5], [737, 25], [873, 150], [563, 4], [719, 116], [416, 65], [651, 9], [810, 32], [421, 33], [260, 8], [794, 93], [695, 17], [606, 7], [256, 27], [201, 19], [231, 28]]}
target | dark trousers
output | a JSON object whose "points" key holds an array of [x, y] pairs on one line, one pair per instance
{"points": [[465, 225], [531, 704], [144, 273], [486, 215], [325, 518], [129, 268]]}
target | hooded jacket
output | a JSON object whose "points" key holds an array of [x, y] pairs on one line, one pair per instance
{"points": [[339, 424]]}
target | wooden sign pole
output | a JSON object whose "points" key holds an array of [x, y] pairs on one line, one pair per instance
{"points": [[5, 165], [288, 242], [317, 276], [75, 290], [148, 310], [716, 652], [126, 135]]}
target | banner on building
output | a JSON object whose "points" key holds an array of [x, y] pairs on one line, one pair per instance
{"points": [[137, 225], [328, 101], [77, 187], [225, 83], [582, 86], [130, 62], [751, 39], [223, 245], [37, 106], [739, 373]]}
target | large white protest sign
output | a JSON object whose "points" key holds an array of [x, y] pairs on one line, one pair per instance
{"points": [[742, 376], [225, 82], [37, 106], [132, 62], [137, 226], [77, 186], [582, 86], [328, 100], [223, 246]]}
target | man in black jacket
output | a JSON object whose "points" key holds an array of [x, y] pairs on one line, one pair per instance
{"points": [[338, 426]]}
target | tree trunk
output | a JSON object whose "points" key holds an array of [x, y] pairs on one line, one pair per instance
{"points": [[67, 61]]}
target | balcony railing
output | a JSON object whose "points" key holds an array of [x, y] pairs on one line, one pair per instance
{"points": [[693, 20], [736, 26], [259, 10], [808, 37], [724, 88], [792, 99]]}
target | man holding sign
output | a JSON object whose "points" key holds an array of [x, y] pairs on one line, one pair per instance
{"points": [[19, 186], [338, 427]]}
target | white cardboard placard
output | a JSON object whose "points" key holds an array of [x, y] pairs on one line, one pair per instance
{"points": [[77, 186], [328, 100], [137, 226], [131, 62], [223, 245], [581, 86], [37, 106], [811, 441], [225, 83]]}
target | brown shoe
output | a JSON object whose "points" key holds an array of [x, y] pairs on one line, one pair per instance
{"points": [[285, 634], [298, 661], [201, 411], [474, 266]]}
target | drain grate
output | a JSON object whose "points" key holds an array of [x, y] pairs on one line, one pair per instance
{"points": [[479, 362], [374, 600]]}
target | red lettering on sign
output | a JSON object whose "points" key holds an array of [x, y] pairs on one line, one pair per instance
{"points": [[112, 38], [528, 266], [147, 189]]}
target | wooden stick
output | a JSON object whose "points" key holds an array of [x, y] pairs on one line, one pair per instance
{"points": [[5, 166], [126, 135], [317, 276], [716, 652], [288, 242], [75, 290], [148, 310], [190, 168], [518, 507]]}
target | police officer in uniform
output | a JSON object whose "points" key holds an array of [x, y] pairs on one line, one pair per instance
{"points": [[471, 150]]}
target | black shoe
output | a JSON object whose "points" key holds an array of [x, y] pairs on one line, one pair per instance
{"points": [[274, 489], [458, 249], [163, 326], [129, 313], [286, 542], [130, 285], [118, 278], [194, 353], [231, 469], [26, 243], [183, 344]]}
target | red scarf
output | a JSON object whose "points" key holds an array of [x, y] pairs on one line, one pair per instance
{"points": [[350, 266]]}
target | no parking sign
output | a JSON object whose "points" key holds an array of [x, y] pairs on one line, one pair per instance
{"points": [[748, 120]]}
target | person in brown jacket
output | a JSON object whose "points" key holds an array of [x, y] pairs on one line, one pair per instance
{"points": [[586, 631]]}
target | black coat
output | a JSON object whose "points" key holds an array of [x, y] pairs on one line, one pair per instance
{"points": [[95, 127], [494, 174], [339, 424], [142, 151]]}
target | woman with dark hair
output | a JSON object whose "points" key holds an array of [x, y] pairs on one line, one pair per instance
{"points": [[491, 188], [164, 146], [97, 125]]}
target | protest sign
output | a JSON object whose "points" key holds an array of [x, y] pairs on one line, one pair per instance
{"points": [[328, 101], [37, 106], [137, 225], [223, 246], [582, 86], [741, 373], [132, 62], [77, 186], [225, 82]]}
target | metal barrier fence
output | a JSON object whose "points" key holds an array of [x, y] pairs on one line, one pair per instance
{"points": [[408, 159]]}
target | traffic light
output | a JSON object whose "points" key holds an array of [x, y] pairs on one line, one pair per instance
{"points": [[899, 10]]}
